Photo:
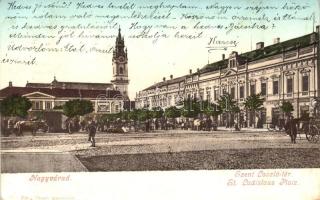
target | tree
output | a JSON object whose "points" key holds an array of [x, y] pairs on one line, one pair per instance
{"points": [[172, 112], [254, 103], [111, 117], [133, 115], [191, 108], [15, 105], [124, 115], [286, 107], [157, 112], [77, 107], [212, 110], [143, 115], [228, 105]]}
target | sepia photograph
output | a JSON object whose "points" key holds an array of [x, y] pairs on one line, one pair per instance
{"points": [[160, 99]]}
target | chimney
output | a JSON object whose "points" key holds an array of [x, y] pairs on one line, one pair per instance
{"points": [[171, 76], [10, 83], [190, 71], [223, 56], [317, 29], [276, 40], [164, 79], [259, 45]]}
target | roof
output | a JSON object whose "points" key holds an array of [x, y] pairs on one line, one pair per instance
{"points": [[171, 81], [59, 92], [265, 52], [71, 85], [64, 82]]}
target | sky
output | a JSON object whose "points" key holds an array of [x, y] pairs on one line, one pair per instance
{"points": [[149, 61]]}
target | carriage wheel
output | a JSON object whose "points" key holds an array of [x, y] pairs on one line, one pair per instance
{"points": [[47, 129], [316, 137], [311, 133]]}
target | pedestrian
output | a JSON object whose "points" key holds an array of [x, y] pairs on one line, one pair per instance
{"points": [[92, 128], [291, 128]]}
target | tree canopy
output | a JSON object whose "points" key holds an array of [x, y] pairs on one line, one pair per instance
{"points": [[143, 115], [15, 105], [254, 102], [212, 109], [76, 107], [227, 104], [286, 107], [191, 108], [172, 112], [157, 112]]}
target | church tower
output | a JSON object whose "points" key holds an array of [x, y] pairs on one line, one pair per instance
{"points": [[120, 66]]}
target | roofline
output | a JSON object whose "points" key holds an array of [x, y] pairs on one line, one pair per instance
{"points": [[175, 80], [71, 82], [155, 85], [269, 46]]}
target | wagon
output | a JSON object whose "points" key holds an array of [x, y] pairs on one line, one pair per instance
{"points": [[311, 128]]}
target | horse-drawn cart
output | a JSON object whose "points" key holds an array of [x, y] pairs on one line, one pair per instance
{"points": [[305, 125], [31, 125], [311, 128]]}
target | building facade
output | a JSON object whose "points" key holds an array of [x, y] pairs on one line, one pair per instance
{"points": [[283, 71], [104, 101]]}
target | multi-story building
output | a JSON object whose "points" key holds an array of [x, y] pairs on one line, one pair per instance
{"points": [[106, 97], [283, 71]]}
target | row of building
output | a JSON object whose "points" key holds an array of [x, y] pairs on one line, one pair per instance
{"points": [[283, 71]]}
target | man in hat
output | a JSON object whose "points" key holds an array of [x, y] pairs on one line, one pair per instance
{"points": [[92, 128]]}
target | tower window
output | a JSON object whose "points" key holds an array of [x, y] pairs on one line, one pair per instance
{"points": [[121, 70]]}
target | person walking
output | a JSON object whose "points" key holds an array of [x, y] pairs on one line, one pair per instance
{"points": [[92, 128]]}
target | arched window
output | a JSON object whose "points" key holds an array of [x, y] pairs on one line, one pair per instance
{"points": [[121, 70]]}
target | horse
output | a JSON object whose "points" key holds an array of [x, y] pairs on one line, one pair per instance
{"points": [[32, 126], [292, 129]]}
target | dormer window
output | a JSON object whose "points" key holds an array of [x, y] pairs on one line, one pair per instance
{"points": [[233, 59]]}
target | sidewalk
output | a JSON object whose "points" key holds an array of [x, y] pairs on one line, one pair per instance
{"points": [[35, 160], [222, 128]]}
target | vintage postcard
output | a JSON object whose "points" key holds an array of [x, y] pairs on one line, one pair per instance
{"points": [[161, 99]]}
